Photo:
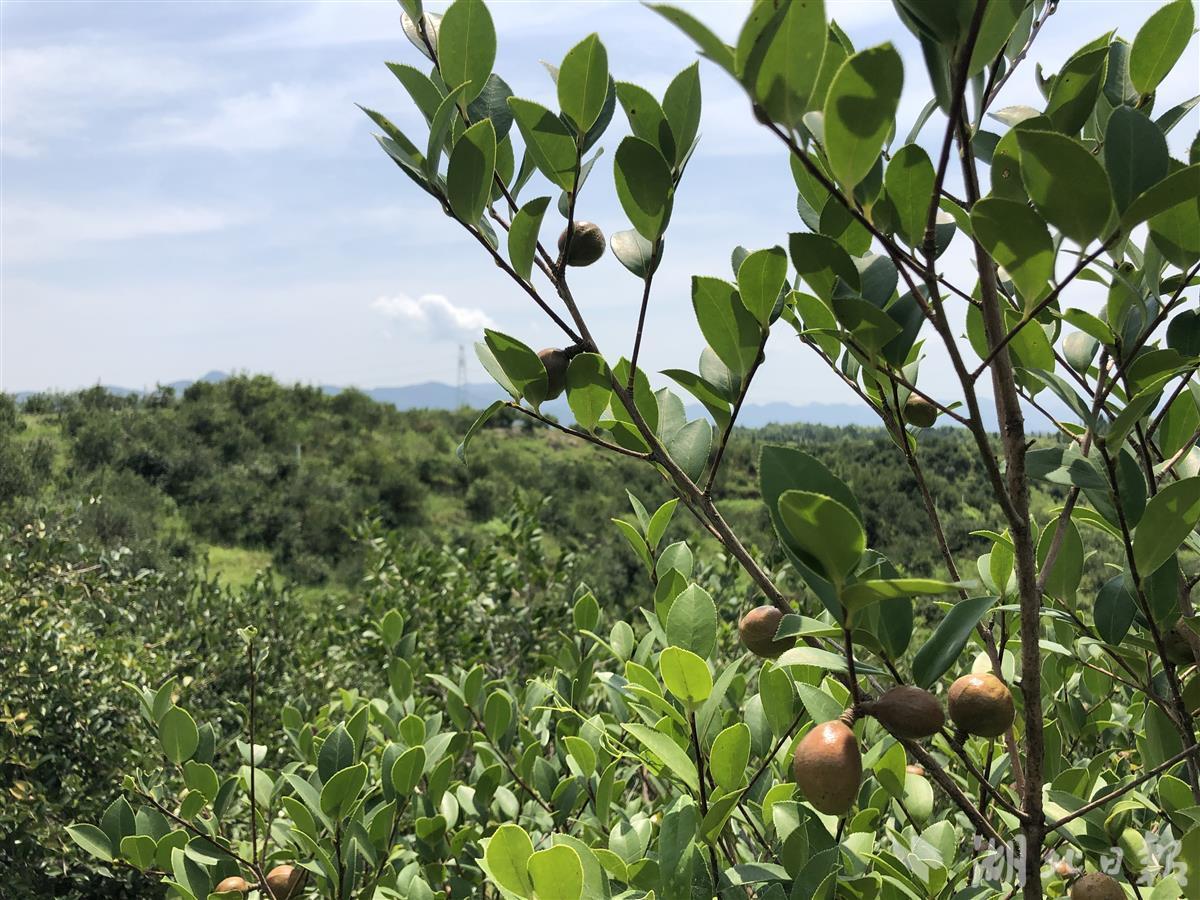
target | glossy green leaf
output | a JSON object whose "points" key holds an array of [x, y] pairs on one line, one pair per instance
{"points": [[633, 251], [1160, 43], [589, 389], [729, 756], [692, 621], [1076, 88], [1067, 184], [860, 111], [583, 82], [341, 791], [820, 261], [670, 753], [1180, 187], [644, 186], [520, 365], [424, 93], [942, 650], [863, 593], [710, 45], [1018, 240], [731, 331], [685, 674], [439, 131], [909, 180], [139, 850], [494, 407], [492, 103], [999, 19], [761, 277], [178, 735], [824, 531], [1169, 518], [1114, 611], [790, 62], [466, 46], [523, 235], [507, 857], [407, 770], [647, 120], [469, 175], [547, 141], [681, 105], [690, 447], [91, 839], [556, 873], [1135, 155]]}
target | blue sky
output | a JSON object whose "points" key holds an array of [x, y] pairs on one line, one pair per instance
{"points": [[188, 186]]}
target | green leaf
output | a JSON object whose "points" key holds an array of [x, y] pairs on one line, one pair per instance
{"points": [[647, 120], [860, 111], [439, 128], [178, 734], [583, 82], [1018, 240], [1066, 183], [787, 73], [407, 770], [710, 45], [644, 186], [681, 106], [1169, 518], [1176, 233], [1135, 155], [492, 104], [1159, 44], [1114, 611], [425, 93], [466, 46], [340, 791], [547, 141], [498, 710], [589, 389], [821, 261], [139, 850], [523, 235], [909, 182], [556, 873], [999, 19], [91, 839], [942, 650], [728, 327], [469, 176], [685, 674], [1076, 88], [864, 593], [692, 621], [633, 251], [729, 756], [1178, 188], [669, 752], [761, 277], [507, 857], [824, 532], [520, 364], [690, 447]]}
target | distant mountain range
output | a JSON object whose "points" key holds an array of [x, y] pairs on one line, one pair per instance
{"points": [[437, 395]]}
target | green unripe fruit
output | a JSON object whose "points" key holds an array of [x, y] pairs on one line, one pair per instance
{"points": [[234, 884], [556, 362], [285, 882], [828, 768], [981, 705], [587, 244], [920, 412], [1096, 886], [757, 630], [908, 712]]}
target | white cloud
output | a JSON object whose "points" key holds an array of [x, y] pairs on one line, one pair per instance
{"points": [[434, 316], [40, 230]]}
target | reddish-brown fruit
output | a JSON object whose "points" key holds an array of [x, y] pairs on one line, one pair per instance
{"points": [[757, 630], [556, 362], [913, 769], [1063, 868], [587, 244], [234, 884], [920, 412], [981, 705], [285, 882], [908, 712], [1096, 886], [828, 768]]}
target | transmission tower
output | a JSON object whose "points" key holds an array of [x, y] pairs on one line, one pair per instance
{"points": [[462, 376]]}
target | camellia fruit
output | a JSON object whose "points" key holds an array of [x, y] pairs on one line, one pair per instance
{"points": [[1096, 886], [234, 884], [285, 882], [981, 705], [757, 630], [828, 767], [1177, 646], [556, 362], [587, 244], [920, 412], [908, 712]]}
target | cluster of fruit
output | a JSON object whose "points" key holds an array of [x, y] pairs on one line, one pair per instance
{"points": [[283, 883]]}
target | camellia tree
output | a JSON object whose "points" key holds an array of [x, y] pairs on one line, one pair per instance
{"points": [[810, 756]]}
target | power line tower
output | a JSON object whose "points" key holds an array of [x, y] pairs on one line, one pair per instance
{"points": [[462, 376]]}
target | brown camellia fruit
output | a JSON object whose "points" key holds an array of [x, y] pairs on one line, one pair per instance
{"points": [[908, 712], [556, 362], [757, 631], [981, 705], [234, 884], [828, 767], [920, 412], [587, 244], [1178, 648], [913, 769], [285, 882], [1096, 886]]}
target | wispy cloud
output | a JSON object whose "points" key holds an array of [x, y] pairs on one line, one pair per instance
{"points": [[434, 316]]}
